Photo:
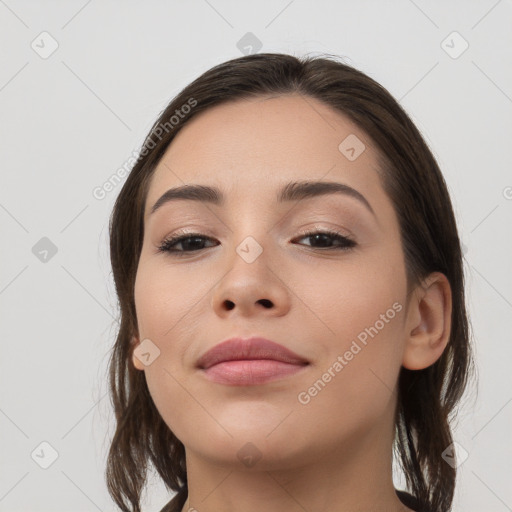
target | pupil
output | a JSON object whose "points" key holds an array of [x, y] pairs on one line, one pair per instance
{"points": [[194, 240], [322, 237]]}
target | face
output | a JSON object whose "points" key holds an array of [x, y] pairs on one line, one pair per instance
{"points": [[253, 268]]}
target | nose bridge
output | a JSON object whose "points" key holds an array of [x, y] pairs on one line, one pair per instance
{"points": [[250, 230], [251, 280], [254, 237], [251, 251]]}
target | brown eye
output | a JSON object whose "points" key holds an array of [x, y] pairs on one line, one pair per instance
{"points": [[325, 239], [192, 242]]}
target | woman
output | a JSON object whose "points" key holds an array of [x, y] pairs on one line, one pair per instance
{"points": [[291, 287]]}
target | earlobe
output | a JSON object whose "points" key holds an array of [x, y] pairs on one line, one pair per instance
{"points": [[136, 362], [428, 323]]}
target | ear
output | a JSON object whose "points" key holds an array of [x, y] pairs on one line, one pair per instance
{"points": [[136, 361], [428, 323]]}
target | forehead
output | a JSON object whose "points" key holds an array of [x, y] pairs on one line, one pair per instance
{"points": [[251, 147]]}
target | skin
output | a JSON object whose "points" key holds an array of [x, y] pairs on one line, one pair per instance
{"points": [[333, 453]]}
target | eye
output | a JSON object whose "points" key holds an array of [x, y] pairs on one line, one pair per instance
{"points": [[194, 242], [191, 242], [344, 242]]}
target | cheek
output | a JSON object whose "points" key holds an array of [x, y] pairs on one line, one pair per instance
{"points": [[359, 313], [162, 318], [347, 297], [164, 306], [163, 297]]}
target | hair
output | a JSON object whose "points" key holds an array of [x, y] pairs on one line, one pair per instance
{"points": [[413, 181]]}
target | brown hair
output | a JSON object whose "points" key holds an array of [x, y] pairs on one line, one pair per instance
{"points": [[414, 183]]}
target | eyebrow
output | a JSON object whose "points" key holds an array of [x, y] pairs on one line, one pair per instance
{"points": [[293, 191]]}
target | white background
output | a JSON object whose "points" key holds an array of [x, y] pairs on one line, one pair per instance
{"points": [[69, 121]]}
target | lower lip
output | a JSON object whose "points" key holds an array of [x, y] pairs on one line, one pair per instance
{"points": [[250, 372]]}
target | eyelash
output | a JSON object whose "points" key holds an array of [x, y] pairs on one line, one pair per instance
{"points": [[169, 242]]}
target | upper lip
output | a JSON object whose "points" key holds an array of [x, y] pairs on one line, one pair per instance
{"points": [[235, 349]]}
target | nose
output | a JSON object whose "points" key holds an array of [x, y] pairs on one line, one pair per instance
{"points": [[252, 284]]}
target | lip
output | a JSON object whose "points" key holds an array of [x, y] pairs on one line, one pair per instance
{"points": [[256, 360]]}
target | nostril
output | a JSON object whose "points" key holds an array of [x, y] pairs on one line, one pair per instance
{"points": [[229, 305]]}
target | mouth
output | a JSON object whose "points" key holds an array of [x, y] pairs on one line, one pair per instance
{"points": [[246, 362]]}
